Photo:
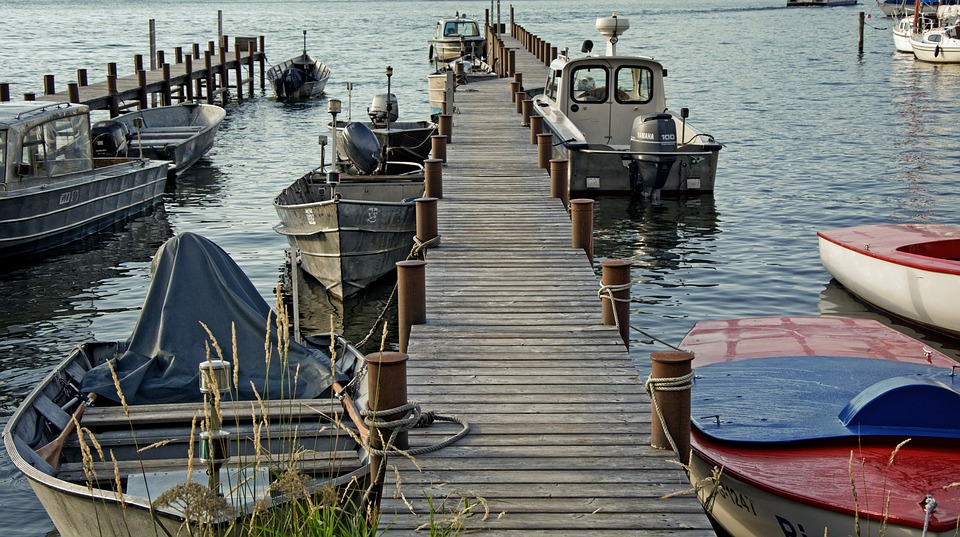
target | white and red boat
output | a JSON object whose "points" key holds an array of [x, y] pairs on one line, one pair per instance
{"points": [[823, 426], [909, 270]]}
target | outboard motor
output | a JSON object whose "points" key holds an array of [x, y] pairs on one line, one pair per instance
{"points": [[652, 134], [109, 139], [382, 110], [290, 81], [361, 147]]}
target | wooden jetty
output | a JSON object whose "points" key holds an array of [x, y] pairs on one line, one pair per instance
{"points": [[194, 75], [560, 424]]}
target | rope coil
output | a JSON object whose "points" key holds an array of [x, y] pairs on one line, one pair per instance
{"points": [[669, 384], [607, 291], [412, 418]]}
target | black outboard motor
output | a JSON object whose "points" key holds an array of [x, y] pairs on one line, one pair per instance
{"points": [[109, 139], [652, 134]]}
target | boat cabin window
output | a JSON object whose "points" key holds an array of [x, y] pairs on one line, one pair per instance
{"points": [[634, 84], [58, 147], [458, 28], [553, 82], [589, 84]]}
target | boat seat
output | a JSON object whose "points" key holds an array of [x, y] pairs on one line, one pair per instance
{"points": [[102, 417]]}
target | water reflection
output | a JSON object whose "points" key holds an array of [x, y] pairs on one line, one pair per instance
{"points": [[659, 237], [835, 300]]}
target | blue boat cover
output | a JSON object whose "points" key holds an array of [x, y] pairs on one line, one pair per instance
{"points": [[797, 398], [195, 281]]}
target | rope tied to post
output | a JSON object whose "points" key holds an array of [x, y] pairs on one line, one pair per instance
{"points": [[411, 418], [607, 291], [669, 384], [422, 246]]}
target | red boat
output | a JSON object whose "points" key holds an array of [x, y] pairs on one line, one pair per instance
{"points": [[810, 426]]}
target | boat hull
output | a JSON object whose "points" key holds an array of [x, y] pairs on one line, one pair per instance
{"points": [[309, 78], [48, 215], [181, 133], [893, 267], [771, 412], [351, 235]]}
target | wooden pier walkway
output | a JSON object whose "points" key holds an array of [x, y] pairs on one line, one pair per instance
{"points": [[513, 344]]}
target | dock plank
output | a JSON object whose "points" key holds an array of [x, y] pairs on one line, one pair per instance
{"points": [[560, 421]]}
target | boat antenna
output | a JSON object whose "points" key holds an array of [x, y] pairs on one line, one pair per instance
{"points": [[304, 42], [349, 102], [386, 146]]}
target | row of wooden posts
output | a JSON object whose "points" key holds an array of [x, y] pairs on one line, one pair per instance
{"points": [[209, 83]]}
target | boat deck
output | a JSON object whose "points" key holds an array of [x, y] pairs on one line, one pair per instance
{"points": [[560, 424]]}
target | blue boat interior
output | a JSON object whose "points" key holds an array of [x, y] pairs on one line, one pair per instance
{"points": [[803, 398]]}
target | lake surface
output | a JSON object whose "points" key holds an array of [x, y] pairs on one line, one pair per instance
{"points": [[815, 136]]}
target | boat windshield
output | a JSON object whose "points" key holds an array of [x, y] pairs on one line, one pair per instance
{"points": [[461, 28], [634, 84], [589, 84], [58, 147]]}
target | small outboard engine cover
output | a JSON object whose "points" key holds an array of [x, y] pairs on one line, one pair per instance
{"points": [[651, 135], [109, 139], [383, 109], [361, 147], [290, 81]]}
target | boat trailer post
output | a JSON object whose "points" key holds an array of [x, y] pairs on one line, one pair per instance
{"points": [[615, 296], [581, 218], [669, 388], [411, 297]]}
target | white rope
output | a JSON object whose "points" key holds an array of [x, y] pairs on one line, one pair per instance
{"points": [[607, 291], [412, 417], [673, 384]]}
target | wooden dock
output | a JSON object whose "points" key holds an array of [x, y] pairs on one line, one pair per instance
{"points": [[513, 344], [192, 75]]}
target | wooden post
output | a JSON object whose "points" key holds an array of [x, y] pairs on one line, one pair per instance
{"points": [[860, 34], [224, 74], [671, 369], [446, 127], [30, 96], [581, 218], [527, 108], [433, 178], [188, 71], [4, 92], [73, 91], [411, 298], [263, 58], [387, 385], [165, 89], [514, 90], [544, 150], [208, 64], [251, 52], [536, 127], [518, 99], [114, 97], [239, 72], [615, 296], [142, 89], [511, 62], [82, 77], [426, 219], [439, 147], [558, 179], [49, 85]]}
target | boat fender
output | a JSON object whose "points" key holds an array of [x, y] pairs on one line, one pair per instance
{"points": [[430, 53]]}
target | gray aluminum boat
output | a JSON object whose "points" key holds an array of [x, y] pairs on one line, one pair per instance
{"points": [[181, 133], [301, 77], [152, 409], [52, 189]]}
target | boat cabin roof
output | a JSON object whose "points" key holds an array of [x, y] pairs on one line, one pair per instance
{"points": [[457, 27], [34, 112]]}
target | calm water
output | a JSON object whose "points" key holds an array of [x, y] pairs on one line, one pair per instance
{"points": [[815, 135]]}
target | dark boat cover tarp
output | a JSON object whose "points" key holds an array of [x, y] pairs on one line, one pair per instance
{"points": [[194, 282]]}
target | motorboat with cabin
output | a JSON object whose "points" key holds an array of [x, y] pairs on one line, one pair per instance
{"points": [[625, 141], [53, 189], [456, 37]]}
